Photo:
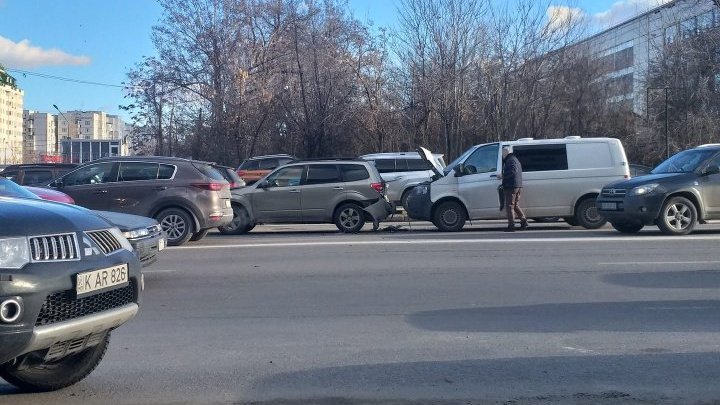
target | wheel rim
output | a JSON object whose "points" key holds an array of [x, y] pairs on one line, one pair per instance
{"points": [[349, 218], [678, 216], [592, 215], [174, 226], [449, 217]]}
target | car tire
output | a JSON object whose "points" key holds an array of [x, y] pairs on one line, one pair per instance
{"points": [[58, 374], [449, 217], [240, 223], [570, 221], [677, 217], [627, 227], [177, 224], [199, 235], [404, 198], [349, 218], [587, 215]]}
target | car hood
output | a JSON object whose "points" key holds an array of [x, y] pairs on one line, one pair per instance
{"points": [[126, 222], [427, 156], [50, 194], [649, 179], [26, 217]]}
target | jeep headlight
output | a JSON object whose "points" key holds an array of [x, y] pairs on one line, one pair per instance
{"points": [[122, 239], [646, 189], [136, 233], [14, 253]]}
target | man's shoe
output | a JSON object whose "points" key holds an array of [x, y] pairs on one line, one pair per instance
{"points": [[510, 229], [523, 225]]}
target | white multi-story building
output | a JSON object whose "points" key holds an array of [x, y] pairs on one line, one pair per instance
{"points": [[624, 51], [40, 137], [11, 120]]}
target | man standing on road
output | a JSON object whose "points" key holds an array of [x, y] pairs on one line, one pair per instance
{"points": [[512, 186]]}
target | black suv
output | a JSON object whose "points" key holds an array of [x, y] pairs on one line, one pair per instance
{"points": [[677, 194], [67, 279], [187, 197], [36, 173]]}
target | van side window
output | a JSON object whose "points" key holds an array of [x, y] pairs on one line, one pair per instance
{"points": [[483, 160], [385, 165], [415, 165], [539, 158]]}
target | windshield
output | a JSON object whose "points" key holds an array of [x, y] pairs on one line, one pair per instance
{"points": [[459, 159], [684, 162]]}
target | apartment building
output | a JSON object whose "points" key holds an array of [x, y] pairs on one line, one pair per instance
{"points": [[11, 120], [39, 137]]}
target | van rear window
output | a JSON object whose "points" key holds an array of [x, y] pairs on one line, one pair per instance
{"points": [[540, 158]]}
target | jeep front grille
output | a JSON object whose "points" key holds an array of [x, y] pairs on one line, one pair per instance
{"points": [[64, 305], [105, 240], [54, 248], [614, 192]]}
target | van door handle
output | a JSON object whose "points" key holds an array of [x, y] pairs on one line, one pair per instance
{"points": [[160, 188], [294, 191], [493, 175], [338, 188], [100, 192]]}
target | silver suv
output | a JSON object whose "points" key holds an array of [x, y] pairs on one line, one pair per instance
{"points": [[402, 171], [345, 192]]}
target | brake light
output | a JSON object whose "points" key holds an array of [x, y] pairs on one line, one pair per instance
{"points": [[241, 173], [379, 187], [211, 186]]}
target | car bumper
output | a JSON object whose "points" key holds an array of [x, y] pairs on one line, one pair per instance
{"points": [[147, 248], [631, 209], [419, 205], [380, 209]]}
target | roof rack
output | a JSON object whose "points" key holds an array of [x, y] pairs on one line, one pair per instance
{"points": [[330, 159]]}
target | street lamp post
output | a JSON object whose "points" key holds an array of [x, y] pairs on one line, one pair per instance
{"points": [[57, 131], [647, 112]]}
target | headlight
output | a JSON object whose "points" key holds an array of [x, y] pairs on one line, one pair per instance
{"points": [[14, 253], [136, 233], [646, 189], [123, 241]]}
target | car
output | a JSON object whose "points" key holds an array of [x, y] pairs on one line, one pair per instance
{"points": [[254, 168], [68, 278], [187, 197], [637, 170], [144, 234], [344, 192], [679, 193], [230, 176], [561, 178], [402, 171], [36, 173]]}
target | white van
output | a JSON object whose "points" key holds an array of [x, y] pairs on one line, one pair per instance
{"points": [[561, 178]]}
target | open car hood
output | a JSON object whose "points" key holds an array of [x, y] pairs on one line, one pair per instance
{"points": [[427, 156]]}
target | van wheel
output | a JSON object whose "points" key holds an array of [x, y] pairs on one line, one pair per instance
{"points": [[404, 198], [587, 215], [50, 376], [177, 224], [627, 227], [570, 221], [199, 235], [349, 218], [677, 217], [449, 217], [240, 223]]}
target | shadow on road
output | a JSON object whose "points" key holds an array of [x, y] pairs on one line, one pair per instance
{"points": [[632, 316], [670, 279]]}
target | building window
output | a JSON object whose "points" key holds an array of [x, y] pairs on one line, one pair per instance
{"points": [[670, 34], [688, 28]]}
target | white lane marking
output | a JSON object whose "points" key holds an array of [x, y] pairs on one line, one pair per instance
{"points": [[576, 349], [158, 271], [653, 263], [454, 242]]}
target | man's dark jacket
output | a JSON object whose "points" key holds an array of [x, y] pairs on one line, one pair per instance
{"points": [[512, 172]]}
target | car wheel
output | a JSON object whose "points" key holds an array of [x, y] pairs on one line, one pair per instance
{"points": [[449, 217], [199, 235], [349, 218], [627, 227], [50, 376], [177, 224], [240, 223], [404, 198], [677, 217], [570, 221], [588, 216]]}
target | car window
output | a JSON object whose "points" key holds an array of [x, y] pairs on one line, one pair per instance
{"points": [[483, 160], [93, 174], [37, 177], [352, 172], [166, 172], [286, 177], [132, 171], [209, 171], [249, 165], [322, 174], [268, 164], [417, 165], [401, 165], [10, 175], [537, 158], [385, 165]]}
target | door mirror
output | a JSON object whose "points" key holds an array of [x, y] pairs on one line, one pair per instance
{"points": [[57, 184], [459, 170], [712, 169], [263, 184]]}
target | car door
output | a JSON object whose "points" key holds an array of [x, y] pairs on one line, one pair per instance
{"points": [[137, 188], [322, 189], [478, 184], [710, 183], [88, 185], [277, 198]]}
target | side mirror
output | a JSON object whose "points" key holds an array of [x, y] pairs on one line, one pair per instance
{"points": [[712, 169], [263, 184], [459, 170], [57, 184]]}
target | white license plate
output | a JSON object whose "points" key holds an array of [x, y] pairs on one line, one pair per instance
{"points": [[227, 203], [96, 280], [608, 206], [161, 244]]}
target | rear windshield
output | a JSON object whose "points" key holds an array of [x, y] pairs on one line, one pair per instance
{"points": [[249, 165], [209, 171], [230, 175]]}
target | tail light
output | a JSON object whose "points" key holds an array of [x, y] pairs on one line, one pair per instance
{"points": [[241, 173], [211, 186], [379, 187], [234, 185]]}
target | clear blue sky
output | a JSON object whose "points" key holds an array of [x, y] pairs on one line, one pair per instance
{"points": [[99, 40]]}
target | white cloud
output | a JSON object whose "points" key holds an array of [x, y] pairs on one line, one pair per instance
{"points": [[25, 55], [563, 16], [624, 10]]}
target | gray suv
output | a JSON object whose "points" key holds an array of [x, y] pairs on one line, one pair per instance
{"points": [[345, 192], [186, 197]]}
